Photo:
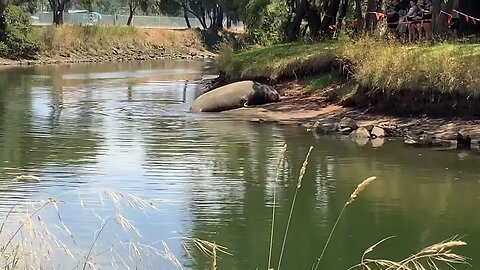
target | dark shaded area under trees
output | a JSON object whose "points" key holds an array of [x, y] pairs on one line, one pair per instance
{"points": [[320, 18]]}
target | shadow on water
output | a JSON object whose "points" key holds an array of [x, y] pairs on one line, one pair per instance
{"points": [[85, 129]]}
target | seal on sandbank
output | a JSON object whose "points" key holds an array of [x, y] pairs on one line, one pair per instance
{"points": [[234, 96]]}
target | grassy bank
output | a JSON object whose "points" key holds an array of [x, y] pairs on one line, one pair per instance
{"points": [[435, 78], [448, 68], [72, 37], [74, 43], [279, 61]]}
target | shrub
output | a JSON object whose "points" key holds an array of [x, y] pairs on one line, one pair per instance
{"points": [[268, 22], [18, 35]]}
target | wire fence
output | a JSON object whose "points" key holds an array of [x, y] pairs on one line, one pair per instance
{"points": [[84, 18]]}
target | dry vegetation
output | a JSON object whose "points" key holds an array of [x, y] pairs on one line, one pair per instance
{"points": [[376, 64], [30, 240], [391, 66], [430, 257], [97, 40]]}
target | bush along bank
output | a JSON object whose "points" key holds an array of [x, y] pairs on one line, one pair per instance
{"points": [[414, 79], [24, 44], [75, 43]]}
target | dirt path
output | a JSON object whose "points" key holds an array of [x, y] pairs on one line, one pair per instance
{"points": [[297, 107]]}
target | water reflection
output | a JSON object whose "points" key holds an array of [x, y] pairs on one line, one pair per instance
{"points": [[87, 129]]}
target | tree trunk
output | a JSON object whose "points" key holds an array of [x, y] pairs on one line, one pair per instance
{"points": [[359, 16], [187, 20], [343, 13], [330, 17], [130, 15], [213, 18], [436, 7], [370, 17], [58, 14], [441, 27], [219, 19], [293, 28], [314, 21], [200, 17], [229, 22]]}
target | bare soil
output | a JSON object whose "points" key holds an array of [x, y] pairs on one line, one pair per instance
{"points": [[299, 107]]}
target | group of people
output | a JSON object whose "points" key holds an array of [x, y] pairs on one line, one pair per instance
{"points": [[410, 20]]}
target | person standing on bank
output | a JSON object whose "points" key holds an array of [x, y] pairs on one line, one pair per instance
{"points": [[412, 22], [426, 19]]}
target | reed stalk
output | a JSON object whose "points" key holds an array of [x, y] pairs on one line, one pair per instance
{"points": [[299, 185], [350, 200], [87, 258], [277, 175]]}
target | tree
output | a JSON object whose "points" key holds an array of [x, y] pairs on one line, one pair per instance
{"points": [[134, 5], [58, 7], [210, 13]]}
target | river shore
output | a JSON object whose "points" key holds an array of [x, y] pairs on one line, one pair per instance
{"points": [[123, 56], [427, 94], [98, 44], [316, 113]]}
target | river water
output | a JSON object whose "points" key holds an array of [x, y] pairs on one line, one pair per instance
{"points": [[99, 134]]}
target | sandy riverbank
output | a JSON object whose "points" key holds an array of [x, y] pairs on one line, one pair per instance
{"points": [[300, 108]]}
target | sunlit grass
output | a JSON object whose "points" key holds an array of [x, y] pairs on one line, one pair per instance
{"points": [[293, 59], [92, 37], [322, 81], [443, 67], [28, 241], [376, 64]]}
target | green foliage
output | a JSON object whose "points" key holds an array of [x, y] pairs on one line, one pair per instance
{"points": [[225, 56], [3, 48], [324, 80], [170, 7], [18, 36], [267, 21]]}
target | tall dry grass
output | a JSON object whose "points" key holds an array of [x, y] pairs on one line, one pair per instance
{"points": [[391, 66], [299, 185], [428, 258], [28, 241], [280, 159], [93, 37], [100, 39]]}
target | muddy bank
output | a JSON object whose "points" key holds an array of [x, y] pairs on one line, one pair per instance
{"points": [[114, 55], [316, 112], [407, 102]]}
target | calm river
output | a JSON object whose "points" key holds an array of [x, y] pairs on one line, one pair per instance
{"points": [[96, 134]]}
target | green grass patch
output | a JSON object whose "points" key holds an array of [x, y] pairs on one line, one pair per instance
{"points": [[324, 80], [376, 64], [293, 59]]}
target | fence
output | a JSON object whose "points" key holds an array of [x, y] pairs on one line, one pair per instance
{"points": [[46, 18]]}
